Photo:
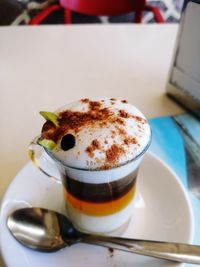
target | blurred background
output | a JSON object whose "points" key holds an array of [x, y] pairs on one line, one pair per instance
{"points": [[20, 12]]}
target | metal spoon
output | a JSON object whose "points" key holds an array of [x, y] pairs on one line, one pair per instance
{"points": [[47, 231]]}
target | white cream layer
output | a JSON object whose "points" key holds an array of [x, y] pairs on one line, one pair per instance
{"points": [[100, 224], [104, 176], [78, 157]]}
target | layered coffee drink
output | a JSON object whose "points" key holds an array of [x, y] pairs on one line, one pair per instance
{"points": [[99, 145]]}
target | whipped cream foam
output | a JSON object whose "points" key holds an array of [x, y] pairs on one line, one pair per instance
{"points": [[98, 134]]}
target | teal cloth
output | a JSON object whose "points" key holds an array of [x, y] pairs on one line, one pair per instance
{"points": [[168, 143]]}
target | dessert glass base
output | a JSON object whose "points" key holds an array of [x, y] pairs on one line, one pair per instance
{"points": [[100, 201], [101, 225]]}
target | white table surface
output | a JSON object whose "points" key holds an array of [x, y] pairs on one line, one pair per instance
{"points": [[44, 67]]}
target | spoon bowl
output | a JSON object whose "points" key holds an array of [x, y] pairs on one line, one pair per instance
{"points": [[41, 229], [48, 231]]}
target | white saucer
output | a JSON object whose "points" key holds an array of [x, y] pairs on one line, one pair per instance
{"points": [[162, 211]]}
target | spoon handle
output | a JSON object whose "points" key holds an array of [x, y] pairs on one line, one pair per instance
{"points": [[163, 250]]}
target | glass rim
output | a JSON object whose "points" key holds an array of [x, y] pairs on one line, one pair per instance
{"points": [[99, 170]]}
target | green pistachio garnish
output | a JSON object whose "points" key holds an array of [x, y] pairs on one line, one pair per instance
{"points": [[47, 143], [50, 116]]}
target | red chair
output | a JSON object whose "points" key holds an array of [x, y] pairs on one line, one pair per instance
{"points": [[99, 8]]}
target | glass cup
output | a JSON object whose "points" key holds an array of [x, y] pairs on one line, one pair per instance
{"points": [[97, 201]]}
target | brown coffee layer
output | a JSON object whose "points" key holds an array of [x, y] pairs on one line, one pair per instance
{"points": [[99, 193]]}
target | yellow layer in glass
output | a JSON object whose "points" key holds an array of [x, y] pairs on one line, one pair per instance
{"points": [[100, 209]]}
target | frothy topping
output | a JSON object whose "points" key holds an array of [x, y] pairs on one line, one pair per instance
{"points": [[97, 134]]}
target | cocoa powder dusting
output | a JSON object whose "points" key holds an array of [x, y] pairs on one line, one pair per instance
{"points": [[130, 140], [49, 131], [102, 124], [113, 134], [113, 153], [94, 105], [89, 151], [85, 100], [139, 119], [92, 147], [118, 120], [74, 120], [123, 114], [95, 143], [121, 131], [95, 116]]}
